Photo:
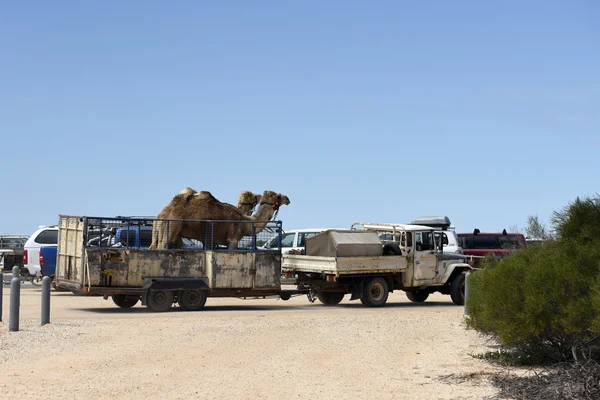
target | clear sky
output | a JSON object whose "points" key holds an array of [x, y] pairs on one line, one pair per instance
{"points": [[377, 111]]}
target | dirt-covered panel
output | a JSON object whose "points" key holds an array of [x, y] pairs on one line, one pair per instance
{"points": [[122, 267], [268, 271], [230, 270]]}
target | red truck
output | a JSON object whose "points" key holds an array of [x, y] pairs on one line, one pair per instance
{"points": [[480, 243]]}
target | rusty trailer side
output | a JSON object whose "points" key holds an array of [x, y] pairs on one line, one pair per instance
{"points": [[129, 274]]}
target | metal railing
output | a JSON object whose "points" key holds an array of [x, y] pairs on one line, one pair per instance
{"points": [[215, 235]]}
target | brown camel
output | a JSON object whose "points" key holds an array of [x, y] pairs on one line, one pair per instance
{"points": [[203, 206], [247, 201]]}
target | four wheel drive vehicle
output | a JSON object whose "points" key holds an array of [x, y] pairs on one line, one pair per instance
{"points": [[43, 236], [11, 251], [445, 231], [501, 244], [292, 240], [341, 262], [389, 233]]}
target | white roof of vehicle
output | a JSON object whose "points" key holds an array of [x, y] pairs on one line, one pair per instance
{"points": [[310, 230], [391, 227]]}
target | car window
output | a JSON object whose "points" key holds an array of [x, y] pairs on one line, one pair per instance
{"points": [[127, 237], [145, 238], [302, 236], [48, 236], [287, 240], [485, 242], [509, 242], [425, 239], [441, 237]]}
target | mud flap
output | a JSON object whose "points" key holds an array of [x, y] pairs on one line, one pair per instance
{"points": [[357, 290]]}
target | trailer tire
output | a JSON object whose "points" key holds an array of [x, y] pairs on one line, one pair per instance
{"points": [[417, 296], [191, 300], [457, 289], [392, 249], [159, 300], [125, 301], [330, 298], [375, 292]]}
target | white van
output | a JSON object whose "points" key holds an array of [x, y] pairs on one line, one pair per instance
{"points": [[293, 239]]}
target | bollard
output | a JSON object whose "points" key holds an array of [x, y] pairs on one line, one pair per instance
{"points": [[467, 291], [45, 300], [15, 296], [16, 271]]}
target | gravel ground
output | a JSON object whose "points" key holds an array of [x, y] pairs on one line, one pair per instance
{"points": [[267, 349]]}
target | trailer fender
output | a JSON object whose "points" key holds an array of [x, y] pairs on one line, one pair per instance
{"points": [[176, 283]]}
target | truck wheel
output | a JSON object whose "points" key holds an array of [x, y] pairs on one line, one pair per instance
{"points": [[191, 300], [375, 292], [457, 289], [417, 296], [125, 301], [392, 249], [330, 298], [159, 300]]}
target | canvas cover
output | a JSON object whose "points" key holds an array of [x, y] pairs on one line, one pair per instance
{"points": [[344, 243]]}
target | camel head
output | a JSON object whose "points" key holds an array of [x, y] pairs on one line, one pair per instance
{"points": [[275, 200], [248, 201]]}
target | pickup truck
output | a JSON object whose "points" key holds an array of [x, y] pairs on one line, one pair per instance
{"points": [[11, 251], [337, 262], [48, 260]]}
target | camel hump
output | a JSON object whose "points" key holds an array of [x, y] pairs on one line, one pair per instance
{"points": [[188, 190]]}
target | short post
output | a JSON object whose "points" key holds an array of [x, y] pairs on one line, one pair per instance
{"points": [[467, 291], [15, 298], [45, 300], [1, 294], [16, 271]]}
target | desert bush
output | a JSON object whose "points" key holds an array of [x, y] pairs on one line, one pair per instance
{"points": [[543, 302]]}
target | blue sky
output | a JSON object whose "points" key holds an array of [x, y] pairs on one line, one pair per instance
{"points": [[358, 111]]}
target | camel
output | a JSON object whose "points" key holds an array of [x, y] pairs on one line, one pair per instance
{"points": [[247, 201], [203, 206]]}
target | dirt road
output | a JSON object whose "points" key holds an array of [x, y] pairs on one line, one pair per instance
{"points": [[243, 349]]}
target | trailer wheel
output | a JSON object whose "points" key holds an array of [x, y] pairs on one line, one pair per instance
{"points": [[375, 292], [457, 289], [330, 298], [191, 300], [417, 296], [159, 300], [125, 301]]}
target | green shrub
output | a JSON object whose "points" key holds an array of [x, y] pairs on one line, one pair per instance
{"points": [[542, 301]]}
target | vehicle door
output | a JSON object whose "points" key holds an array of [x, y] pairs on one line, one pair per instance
{"points": [[425, 256], [301, 239]]}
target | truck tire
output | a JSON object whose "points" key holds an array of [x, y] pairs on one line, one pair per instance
{"points": [[457, 289], [330, 298], [392, 249], [159, 300], [125, 301], [418, 296], [191, 300], [375, 292]]}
